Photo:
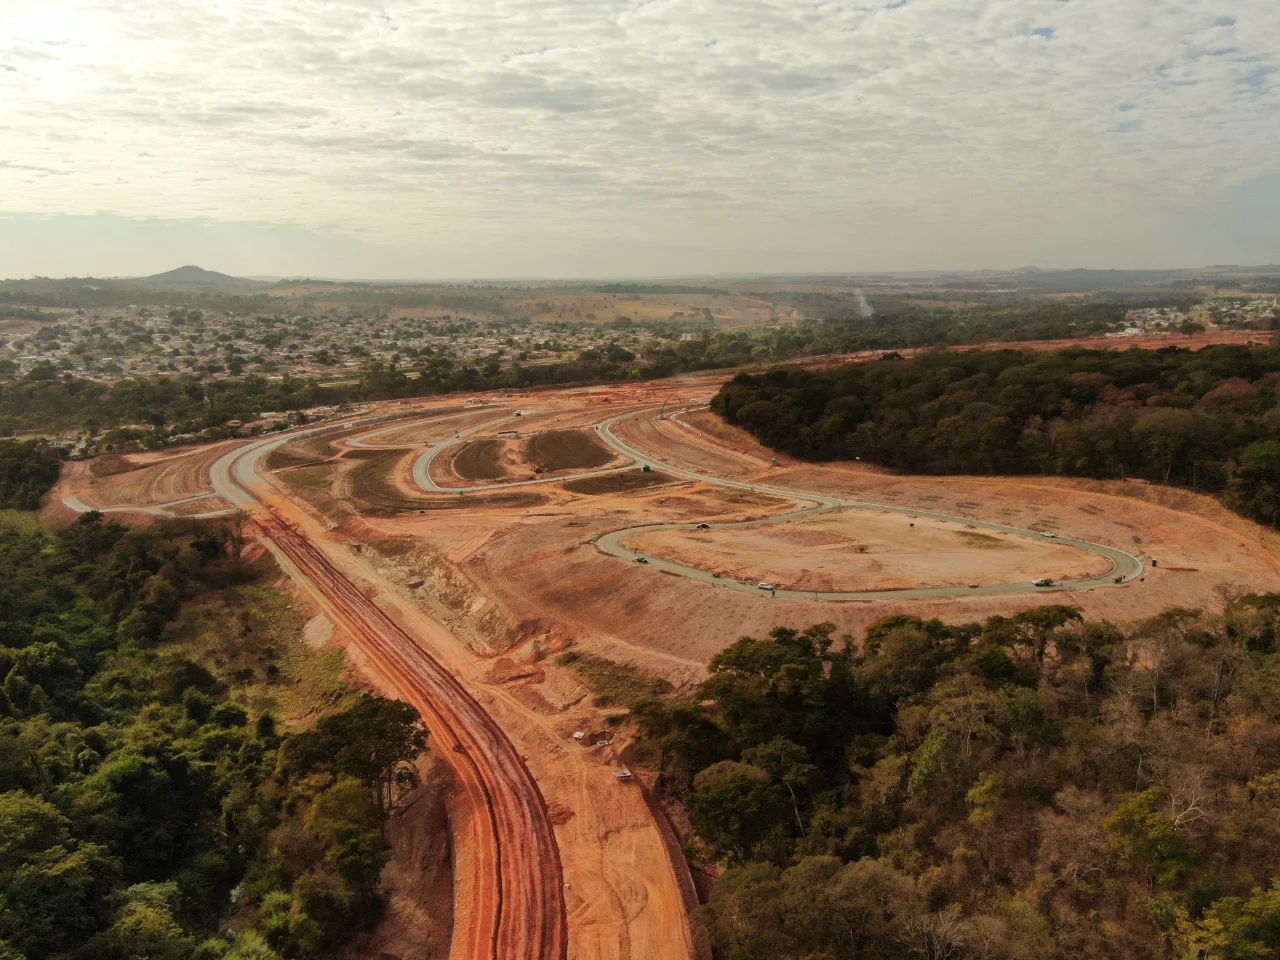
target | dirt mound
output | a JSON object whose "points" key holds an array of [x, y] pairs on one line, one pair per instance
{"points": [[566, 450], [618, 482], [480, 460], [110, 464], [300, 452]]}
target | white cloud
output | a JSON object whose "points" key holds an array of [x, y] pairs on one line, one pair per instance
{"points": [[486, 137]]}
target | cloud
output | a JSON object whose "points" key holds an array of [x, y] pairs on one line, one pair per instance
{"points": [[764, 134]]}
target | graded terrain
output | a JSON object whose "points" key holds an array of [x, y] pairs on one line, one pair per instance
{"points": [[460, 547]]}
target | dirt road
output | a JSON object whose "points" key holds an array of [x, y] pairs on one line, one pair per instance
{"points": [[517, 907]]}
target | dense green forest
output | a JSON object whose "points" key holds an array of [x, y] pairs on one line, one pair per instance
{"points": [[1035, 786], [141, 805], [1207, 419], [27, 470]]}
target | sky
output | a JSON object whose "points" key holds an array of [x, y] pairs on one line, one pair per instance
{"points": [[583, 138]]}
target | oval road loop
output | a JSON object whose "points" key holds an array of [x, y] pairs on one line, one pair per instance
{"points": [[1124, 565]]}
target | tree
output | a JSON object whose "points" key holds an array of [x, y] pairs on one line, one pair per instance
{"points": [[788, 763], [375, 741], [1234, 928], [736, 808], [1254, 486], [1144, 836], [55, 887]]}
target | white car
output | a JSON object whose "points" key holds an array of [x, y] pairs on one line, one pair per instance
{"points": [[1043, 582], [765, 586], [1051, 536]]}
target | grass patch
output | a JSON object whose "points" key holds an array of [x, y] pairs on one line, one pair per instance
{"points": [[251, 637], [983, 541], [23, 521], [614, 684]]}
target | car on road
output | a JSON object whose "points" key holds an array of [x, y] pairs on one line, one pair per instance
{"points": [[704, 526], [765, 586], [1051, 536], [1043, 582], [641, 560]]}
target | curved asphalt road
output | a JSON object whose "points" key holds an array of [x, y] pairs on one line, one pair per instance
{"points": [[422, 467], [361, 444], [1125, 566]]}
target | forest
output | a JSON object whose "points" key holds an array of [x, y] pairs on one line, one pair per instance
{"points": [[27, 469], [1207, 419], [1035, 786], [148, 811]]}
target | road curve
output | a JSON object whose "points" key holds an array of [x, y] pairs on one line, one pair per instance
{"points": [[422, 467], [518, 910], [361, 442], [1125, 566]]}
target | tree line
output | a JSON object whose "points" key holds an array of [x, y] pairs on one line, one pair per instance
{"points": [[141, 803], [1036, 786], [1204, 419]]}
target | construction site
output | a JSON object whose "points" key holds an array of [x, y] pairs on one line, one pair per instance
{"points": [[454, 548]]}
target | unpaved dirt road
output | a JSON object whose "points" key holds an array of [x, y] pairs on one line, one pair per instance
{"points": [[517, 907]]}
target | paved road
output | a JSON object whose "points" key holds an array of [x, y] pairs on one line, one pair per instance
{"points": [[361, 442], [155, 509], [1124, 565]]}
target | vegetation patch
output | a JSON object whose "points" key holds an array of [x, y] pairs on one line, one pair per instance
{"points": [[250, 637], [1011, 788], [983, 541], [147, 783], [614, 684], [625, 482], [28, 468]]}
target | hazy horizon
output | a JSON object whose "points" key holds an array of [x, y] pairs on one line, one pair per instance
{"points": [[544, 139]]}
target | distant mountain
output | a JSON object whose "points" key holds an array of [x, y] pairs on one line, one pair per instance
{"points": [[198, 275]]}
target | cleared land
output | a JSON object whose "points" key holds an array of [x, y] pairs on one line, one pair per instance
{"points": [[618, 483], [146, 479], [567, 450], [859, 550], [683, 447], [479, 460]]}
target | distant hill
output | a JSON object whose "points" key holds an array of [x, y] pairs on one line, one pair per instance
{"points": [[198, 275]]}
